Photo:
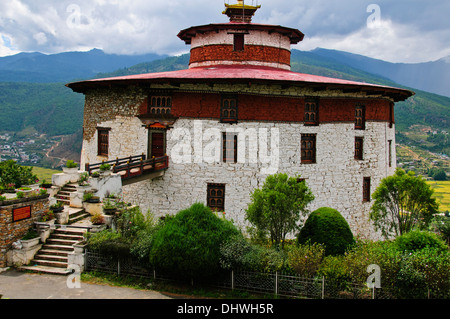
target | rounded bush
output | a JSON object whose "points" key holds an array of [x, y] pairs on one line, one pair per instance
{"points": [[417, 240], [188, 245], [326, 226]]}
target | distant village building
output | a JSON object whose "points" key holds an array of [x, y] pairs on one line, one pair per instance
{"points": [[239, 114]]}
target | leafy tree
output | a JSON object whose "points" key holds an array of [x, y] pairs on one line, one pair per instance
{"points": [[402, 202], [276, 208], [12, 173]]}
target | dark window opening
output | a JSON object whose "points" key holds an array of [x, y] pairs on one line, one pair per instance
{"points": [[103, 141], [359, 148], [308, 148], [229, 149], [216, 197], [239, 42], [366, 189], [390, 153], [157, 143]]}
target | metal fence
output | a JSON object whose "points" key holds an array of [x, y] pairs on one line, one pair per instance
{"points": [[278, 284]]}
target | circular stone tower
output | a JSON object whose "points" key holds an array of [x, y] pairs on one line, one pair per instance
{"points": [[241, 42]]}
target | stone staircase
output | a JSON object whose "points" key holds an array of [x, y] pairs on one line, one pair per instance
{"points": [[52, 257], [63, 195], [76, 214]]}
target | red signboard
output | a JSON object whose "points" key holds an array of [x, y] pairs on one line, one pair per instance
{"points": [[21, 213]]}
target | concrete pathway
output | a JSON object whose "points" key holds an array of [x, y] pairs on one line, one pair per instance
{"points": [[21, 285]]}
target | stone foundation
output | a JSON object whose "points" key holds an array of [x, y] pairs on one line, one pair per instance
{"points": [[10, 230]]}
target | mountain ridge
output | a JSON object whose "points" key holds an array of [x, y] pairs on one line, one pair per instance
{"points": [[36, 67]]}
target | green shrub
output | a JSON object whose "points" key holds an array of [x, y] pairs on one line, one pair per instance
{"points": [[71, 164], [305, 259], [130, 221], [417, 240], [441, 225], [335, 271], [424, 271], [188, 245], [145, 235], [326, 226], [108, 242], [234, 252], [240, 253], [31, 234]]}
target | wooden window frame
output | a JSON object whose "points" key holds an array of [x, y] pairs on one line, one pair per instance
{"points": [[159, 104], [215, 196], [229, 109], [359, 148], [102, 145], [150, 141], [360, 117], [227, 139], [311, 111], [309, 148], [366, 189]]}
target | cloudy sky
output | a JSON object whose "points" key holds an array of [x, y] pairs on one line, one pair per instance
{"points": [[393, 30]]}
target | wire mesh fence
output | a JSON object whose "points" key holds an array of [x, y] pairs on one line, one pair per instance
{"points": [[278, 283]]}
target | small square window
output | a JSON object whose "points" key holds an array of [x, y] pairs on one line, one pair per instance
{"points": [[216, 197]]}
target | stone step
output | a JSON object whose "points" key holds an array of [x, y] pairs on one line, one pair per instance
{"points": [[57, 247], [74, 237], [42, 256], [69, 231], [53, 252], [49, 263], [60, 242], [46, 269], [78, 218]]}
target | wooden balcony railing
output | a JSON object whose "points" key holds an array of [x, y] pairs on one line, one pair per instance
{"points": [[133, 166]]}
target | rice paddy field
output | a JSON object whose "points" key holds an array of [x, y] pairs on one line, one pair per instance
{"points": [[441, 193]]}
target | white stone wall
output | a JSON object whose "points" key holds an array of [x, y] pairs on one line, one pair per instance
{"points": [[234, 63], [254, 37], [335, 180], [126, 137]]}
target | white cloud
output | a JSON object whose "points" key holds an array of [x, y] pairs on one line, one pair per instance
{"points": [[387, 41], [142, 26]]}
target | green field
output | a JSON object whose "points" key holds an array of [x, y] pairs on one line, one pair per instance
{"points": [[44, 173], [442, 194]]}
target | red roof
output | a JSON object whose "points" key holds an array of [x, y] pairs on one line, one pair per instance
{"points": [[247, 73]]}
